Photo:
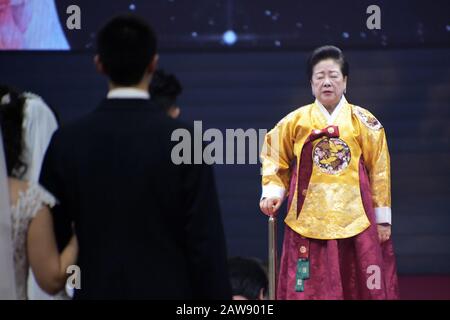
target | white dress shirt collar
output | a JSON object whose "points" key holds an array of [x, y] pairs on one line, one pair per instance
{"points": [[128, 93]]}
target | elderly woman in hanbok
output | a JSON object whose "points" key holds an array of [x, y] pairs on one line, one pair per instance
{"points": [[330, 159]]}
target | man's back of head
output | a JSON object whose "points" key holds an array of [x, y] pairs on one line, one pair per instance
{"points": [[126, 48], [248, 279], [164, 91]]}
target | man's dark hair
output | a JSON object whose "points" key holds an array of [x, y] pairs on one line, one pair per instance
{"points": [[12, 105], [164, 89], [247, 277], [126, 45], [324, 53]]}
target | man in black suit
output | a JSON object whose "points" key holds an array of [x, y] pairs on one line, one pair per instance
{"points": [[146, 228]]}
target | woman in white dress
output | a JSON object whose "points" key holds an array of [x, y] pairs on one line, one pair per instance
{"points": [[30, 224]]}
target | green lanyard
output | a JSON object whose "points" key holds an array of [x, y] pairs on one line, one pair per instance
{"points": [[301, 274]]}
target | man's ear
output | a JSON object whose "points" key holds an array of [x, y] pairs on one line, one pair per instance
{"points": [[174, 112], [98, 64], [154, 64]]}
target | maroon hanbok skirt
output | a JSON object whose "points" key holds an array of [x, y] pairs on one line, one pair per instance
{"points": [[341, 268]]}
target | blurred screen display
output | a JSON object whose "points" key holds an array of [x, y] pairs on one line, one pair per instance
{"points": [[228, 24]]}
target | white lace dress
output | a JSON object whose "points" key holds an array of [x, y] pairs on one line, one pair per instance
{"points": [[26, 207]]}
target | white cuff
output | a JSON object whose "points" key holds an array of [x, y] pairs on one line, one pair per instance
{"points": [[383, 215], [271, 190]]}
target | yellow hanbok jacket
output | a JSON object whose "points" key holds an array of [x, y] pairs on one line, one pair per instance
{"points": [[332, 206]]}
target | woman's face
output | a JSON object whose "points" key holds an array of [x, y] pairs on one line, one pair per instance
{"points": [[327, 82]]}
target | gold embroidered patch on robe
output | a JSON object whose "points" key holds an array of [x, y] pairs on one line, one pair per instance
{"points": [[367, 118], [331, 155]]}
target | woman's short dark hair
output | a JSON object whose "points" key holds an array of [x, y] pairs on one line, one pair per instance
{"points": [[12, 105], [324, 53], [164, 89], [126, 46]]}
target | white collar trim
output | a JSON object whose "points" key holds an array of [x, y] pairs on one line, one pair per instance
{"points": [[331, 117], [128, 93]]}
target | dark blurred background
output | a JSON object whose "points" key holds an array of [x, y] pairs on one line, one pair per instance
{"points": [[401, 73]]}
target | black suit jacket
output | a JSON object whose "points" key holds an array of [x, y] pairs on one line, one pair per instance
{"points": [[147, 229]]}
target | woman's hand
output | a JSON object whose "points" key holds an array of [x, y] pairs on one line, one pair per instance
{"points": [[270, 206], [69, 256], [384, 232]]}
